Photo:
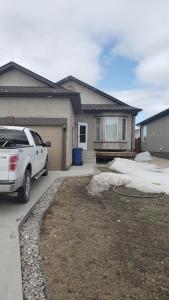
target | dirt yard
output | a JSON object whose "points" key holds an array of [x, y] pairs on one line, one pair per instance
{"points": [[110, 247]]}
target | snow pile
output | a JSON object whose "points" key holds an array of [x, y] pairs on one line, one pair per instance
{"points": [[104, 180], [145, 177], [143, 156]]}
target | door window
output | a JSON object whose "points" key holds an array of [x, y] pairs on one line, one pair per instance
{"points": [[82, 134]]}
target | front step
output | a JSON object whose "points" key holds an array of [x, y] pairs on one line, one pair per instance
{"points": [[89, 157], [38, 175]]}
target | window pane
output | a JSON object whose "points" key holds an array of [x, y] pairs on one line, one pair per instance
{"points": [[98, 130], [82, 138], [111, 128], [124, 127], [14, 137], [82, 129]]}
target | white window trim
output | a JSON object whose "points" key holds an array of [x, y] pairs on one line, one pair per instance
{"points": [[122, 129], [107, 140]]}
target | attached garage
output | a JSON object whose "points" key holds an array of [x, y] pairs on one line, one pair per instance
{"points": [[30, 100], [54, 131], [54, 135]]}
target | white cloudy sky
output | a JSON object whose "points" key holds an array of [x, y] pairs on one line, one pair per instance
{"points": [[60, 37]]}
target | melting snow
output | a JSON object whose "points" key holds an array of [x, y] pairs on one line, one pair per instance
{"points": [[103, 181], [142, 176], [143, 156], [145, 177]]}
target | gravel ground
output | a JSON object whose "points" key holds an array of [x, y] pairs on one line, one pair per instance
{"points": [[34, 286]]}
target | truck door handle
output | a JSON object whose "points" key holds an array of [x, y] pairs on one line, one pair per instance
{"points": [[36, 152], [41, 150]]}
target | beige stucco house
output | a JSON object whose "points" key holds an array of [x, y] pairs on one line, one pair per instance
{"points": [[69, 113]]}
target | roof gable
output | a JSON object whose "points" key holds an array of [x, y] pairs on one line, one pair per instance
{"points": [[16, 75], [91, 88]]}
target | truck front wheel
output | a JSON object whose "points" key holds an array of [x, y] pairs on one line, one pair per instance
{"points": [[25, 190]]}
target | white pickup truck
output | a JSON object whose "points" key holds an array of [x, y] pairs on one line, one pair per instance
{"points": [[23, 156]]}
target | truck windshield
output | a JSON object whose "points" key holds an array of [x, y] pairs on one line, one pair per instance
{"points": [[12, 138]]}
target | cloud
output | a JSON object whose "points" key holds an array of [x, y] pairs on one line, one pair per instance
{"points": [[60, 37], [153, 101]]}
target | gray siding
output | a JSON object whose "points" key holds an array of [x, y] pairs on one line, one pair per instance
{"points": [[157, 139]]}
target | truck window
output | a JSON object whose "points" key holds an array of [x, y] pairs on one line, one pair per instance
{"points": [[12, 138], [37, 139]]}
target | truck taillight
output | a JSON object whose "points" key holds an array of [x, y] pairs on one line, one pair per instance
{"points": [[13, 162]]}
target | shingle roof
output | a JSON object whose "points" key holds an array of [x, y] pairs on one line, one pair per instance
{"points": [[19, 91], [109, 107], [29, 90], [155, 117]]}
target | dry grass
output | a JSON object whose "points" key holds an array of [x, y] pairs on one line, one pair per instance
{"points": [[106, 248]]}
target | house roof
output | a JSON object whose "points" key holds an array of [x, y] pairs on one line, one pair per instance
{"points": [[109, 107], [155, 117], [92, 88], [19, 91], [12, 65]]}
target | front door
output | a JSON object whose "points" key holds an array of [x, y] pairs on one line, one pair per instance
{"points": [[82, 135]]}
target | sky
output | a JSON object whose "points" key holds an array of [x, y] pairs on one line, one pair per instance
{"points": [[121, 47]]}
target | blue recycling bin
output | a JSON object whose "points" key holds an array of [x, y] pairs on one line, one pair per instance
{"points": [[77, 156]]}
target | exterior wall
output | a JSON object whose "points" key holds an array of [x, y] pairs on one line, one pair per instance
{"points": [[18, 78], [41, 107], [157, 139], [90, 120], [87, 96]]}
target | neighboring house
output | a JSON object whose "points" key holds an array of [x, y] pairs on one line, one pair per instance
{"points": [[155, 134], [69, 113]]}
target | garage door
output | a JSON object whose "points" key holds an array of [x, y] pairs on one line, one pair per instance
{"points": [[54, 135]]}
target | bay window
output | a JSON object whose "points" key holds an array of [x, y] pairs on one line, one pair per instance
{"points": [[111, 129]]}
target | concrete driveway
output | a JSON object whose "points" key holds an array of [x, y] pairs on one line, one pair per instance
{"points": [[11, 214]]}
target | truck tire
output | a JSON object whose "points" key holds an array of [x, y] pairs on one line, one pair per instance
{"points": [[46, 167], [25, 190]]}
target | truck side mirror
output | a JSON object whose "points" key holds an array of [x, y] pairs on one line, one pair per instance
{"points": [[47, 144]]}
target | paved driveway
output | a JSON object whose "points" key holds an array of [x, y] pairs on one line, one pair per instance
{"points": [[11, 214]]}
